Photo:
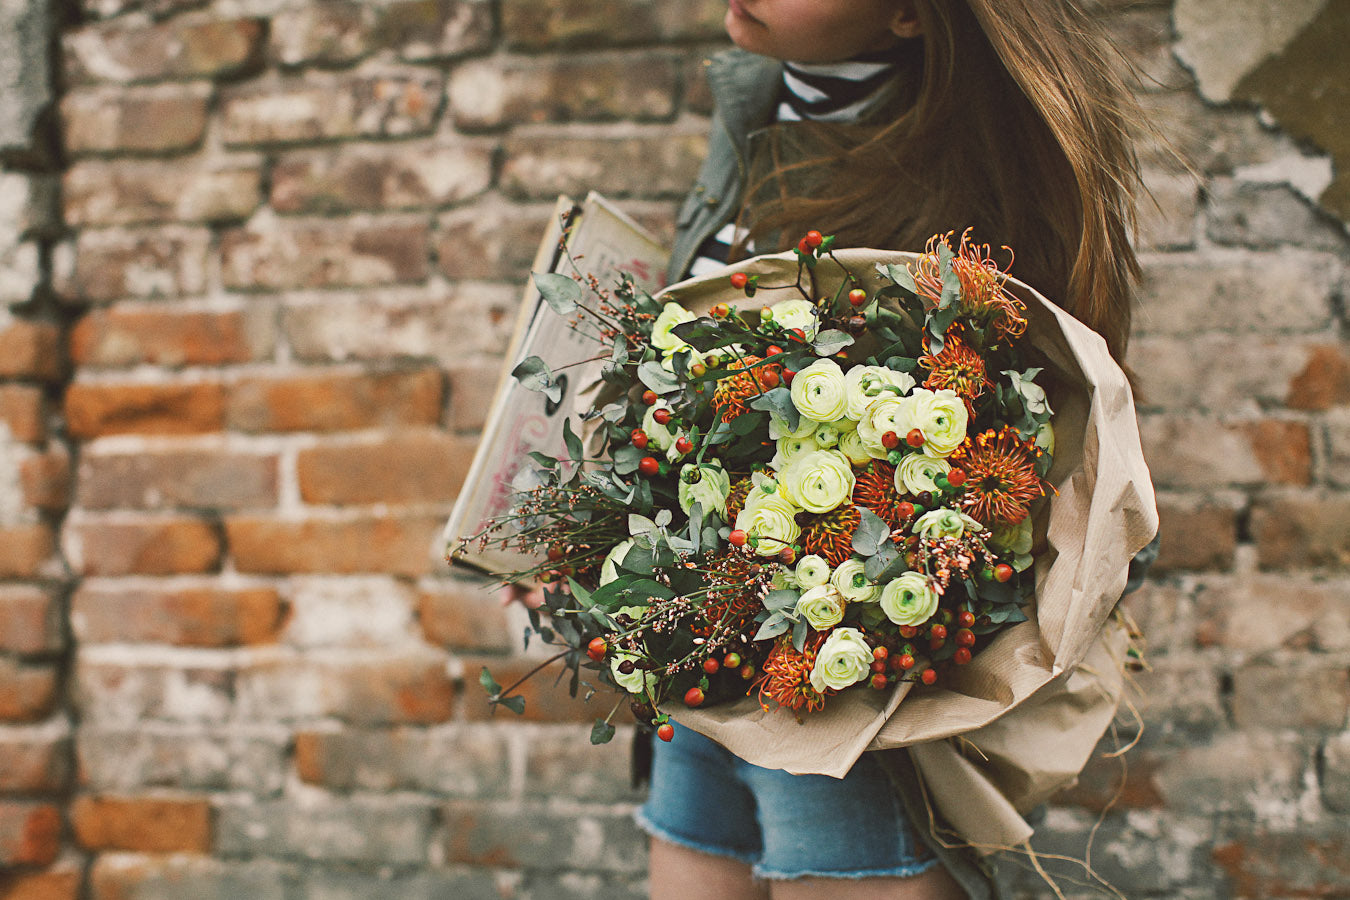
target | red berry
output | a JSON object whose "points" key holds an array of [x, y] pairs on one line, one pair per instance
{"points": [[966, 619], [890, 440], [683, 445], [880, 653], [965, 637], [737, 538], [648, 465], [961, 656], [929, 676], [908, 631], [814, 238], [556, 552], [711, 665], [747, 671], [698, 370], [905, 509], [768, 378], [693, 697], [639, 439], [906, 661], [842, 354], [803, 247], [773, 350], [857, 297], [596, 648], [1003, 572], [788, 375], [938, 631], [649, 397], [878, 665], [720, 311], [799, 333], [914, 438], [879, 681], [956, 477], [665, 731], [732, 660], [787, 555], [662, 416], [738, 280]]}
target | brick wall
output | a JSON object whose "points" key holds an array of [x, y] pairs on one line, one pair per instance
{"points": [[258, 263]]}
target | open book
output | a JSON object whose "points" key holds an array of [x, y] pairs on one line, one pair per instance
{"points": [[604, 242]]}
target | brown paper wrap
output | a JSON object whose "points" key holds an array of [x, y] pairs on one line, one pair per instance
{"points": [[1001, 734]]}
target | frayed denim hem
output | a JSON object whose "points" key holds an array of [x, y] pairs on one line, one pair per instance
{"points": [[657, 832], [895, 872]]}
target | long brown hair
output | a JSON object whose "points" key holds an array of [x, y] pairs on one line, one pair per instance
{"points": [[1019, 126]]}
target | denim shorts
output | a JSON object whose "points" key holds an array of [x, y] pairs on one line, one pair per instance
{"points": [[785, 826]]}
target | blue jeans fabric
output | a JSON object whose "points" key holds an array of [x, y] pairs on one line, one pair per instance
{"points": [[785, 826]]}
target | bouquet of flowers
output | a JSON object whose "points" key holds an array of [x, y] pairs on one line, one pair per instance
{"points": [[818, 490]]}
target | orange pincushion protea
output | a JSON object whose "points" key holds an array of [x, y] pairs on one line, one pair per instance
{"points": [[736, 498], [787, 675], [982, 293], [958, 367], [874, 488], [736, 582], [729, 399], [830, 536], [1001, 479]]}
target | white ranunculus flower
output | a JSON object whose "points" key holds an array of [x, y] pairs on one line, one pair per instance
{"points": [[909, 599], [827, 435], [672, 314], [850, 579], [943, 522], [916, 472], [662, 436], [851, 445], [882, 416], [844, 659], [609, 568], [812, 571], [822, 607], [941, 416], [818, 391], [710, 488], [865, 384], [778, 428], [791, 314], [819, 481], [790, 448], [772, 519]]}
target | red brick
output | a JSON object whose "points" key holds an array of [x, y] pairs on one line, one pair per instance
{"points": [[165, 262], [649, 164], [175, 49], [33, 764], [100, 409], [1324, 382], [464, 615], [54, 884], [30, 833], [472, 389], [46, 480], [190, 617], [546, 698], [399, 690], [23, 411], [1298, 530], [146, 120], [1202, 453], [1308, 698], [198, 479], [1279, 864], [23, 550], [129, 193], [333, 33], [418, 467], [30, 621], [27, 692], [340, 401], [390, 104], [129, 695], [167, 546], [30, 350], [536, 24], [1235, 613], [1114, 783], [393, 544], [123, 337], [433, 29], [1196, 535], [144, 824], [290, 255], [425, 174], [490, 240]]}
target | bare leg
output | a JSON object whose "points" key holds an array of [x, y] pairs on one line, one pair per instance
{"points": [[678, 873], [935, 884]]}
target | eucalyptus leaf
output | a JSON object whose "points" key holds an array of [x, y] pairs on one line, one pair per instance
{"points": [[901, 276], [516, 704], [781, 600], [601, 732], [658, 379], [488, 682], [561, 293], [831, 341], [878, 563], [799, 635], [533, 374], [574, 450], [773, 626], [871, 532]]}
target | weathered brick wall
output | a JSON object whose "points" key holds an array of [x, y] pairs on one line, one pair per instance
{"points": [[243, 361]]}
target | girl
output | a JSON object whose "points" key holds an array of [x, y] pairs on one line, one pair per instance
{"points": [[885, 122]]}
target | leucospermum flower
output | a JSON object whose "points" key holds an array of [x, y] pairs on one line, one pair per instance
{"points": [[1001, 479]]}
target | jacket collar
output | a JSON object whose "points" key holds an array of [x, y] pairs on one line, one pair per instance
{"points": [[745, 87]]}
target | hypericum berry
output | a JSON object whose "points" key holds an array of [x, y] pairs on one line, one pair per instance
{"points": [[966, 619], [693, 697], [698, 370], [662, 416], [904, 509], [765, 314], [649, 465], [956, 477], [890, 440], [878, 665], [879, 681], [639, 438], [803, 246], [773, 350], [739, 279], [857, 297], [747, 671], [711, 665], [787, 556], [627, 667], [769, 378], [720, 311], [799, 333], [906, 661], [649, 397], [965, 637], [914, 438], [908, 631], [814, 238], [788, 375], [665, 731], [596, 648], [1003, 572], [880, 653], [938, 631], [732, 660], [961, 656], [556, 553], [737, 538], [929, 676], [683, 445]]}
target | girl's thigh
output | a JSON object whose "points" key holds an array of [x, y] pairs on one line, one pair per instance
{"points": [[934, 884], [679, 873]]}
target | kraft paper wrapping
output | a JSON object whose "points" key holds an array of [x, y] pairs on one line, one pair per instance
{"points": [[1004, 732]]}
